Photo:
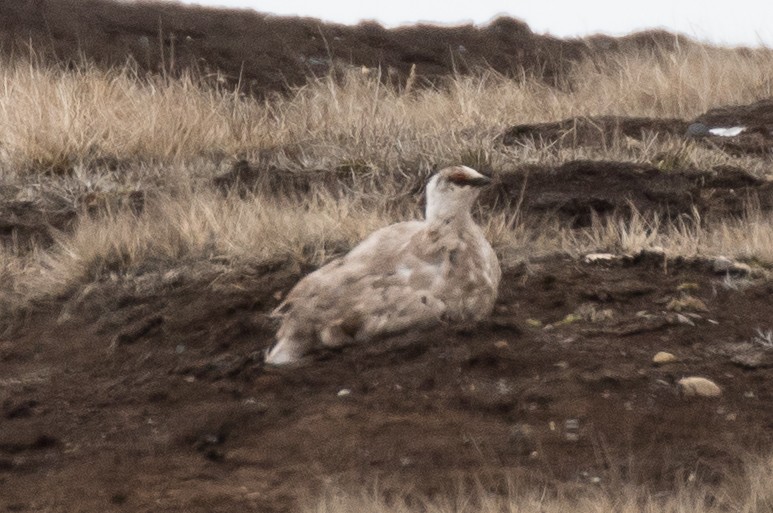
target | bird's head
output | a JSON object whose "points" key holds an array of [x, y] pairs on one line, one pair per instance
{"points": [[452, 191]]}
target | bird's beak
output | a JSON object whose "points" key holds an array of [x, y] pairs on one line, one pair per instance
{"points": [[480, 181]]}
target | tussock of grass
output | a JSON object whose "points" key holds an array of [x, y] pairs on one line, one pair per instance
{"points": [[751, 492]]}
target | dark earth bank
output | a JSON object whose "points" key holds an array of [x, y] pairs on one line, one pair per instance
{"points": [[265, 54]]}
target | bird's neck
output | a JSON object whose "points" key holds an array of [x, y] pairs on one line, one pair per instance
{"points": [[436, 215]]}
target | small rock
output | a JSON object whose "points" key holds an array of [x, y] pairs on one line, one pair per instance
{"points": [[501, 344], [600, 257], [662, 358], [697, 130], [752, 360], [695, 386], [534, 323], [723, 265], [173, 277], [749, 395], [344, 392], [572, 430], [569, 319], [687, 303], [741, 269], [681, 319]]}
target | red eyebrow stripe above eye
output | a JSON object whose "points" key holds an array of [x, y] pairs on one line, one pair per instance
{"points": [[458, 177]]}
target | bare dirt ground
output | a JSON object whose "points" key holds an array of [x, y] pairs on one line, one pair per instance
{"points": [[150, 394]]}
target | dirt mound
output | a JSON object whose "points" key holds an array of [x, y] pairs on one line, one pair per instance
{"points": [[601, 131], [266, 53], [151, 393], [755, 114], [574, 191], [578, 189], [755, 119]]}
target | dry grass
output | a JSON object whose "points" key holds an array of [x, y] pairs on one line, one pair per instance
{"points": [[70, 135], [752, 492]]}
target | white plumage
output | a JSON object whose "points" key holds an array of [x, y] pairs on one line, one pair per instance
{"points": [[410, 275]]}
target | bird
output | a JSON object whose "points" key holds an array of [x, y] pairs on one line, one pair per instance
{"points": [[412, 275]]}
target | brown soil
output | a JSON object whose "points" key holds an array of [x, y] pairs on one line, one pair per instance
{"points": [[151, 395]]}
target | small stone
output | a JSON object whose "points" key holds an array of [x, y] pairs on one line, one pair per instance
{"points": [[534, 323], [731, 417], [697, 130], [662, 358], [572, 430], [501, 344], [749, 395], [695, 386], [173, 277], [684, 320], [569, 319], [599, 257], [344, 392], [723, 265], [688, 286], [750, 360], [687, 303]]}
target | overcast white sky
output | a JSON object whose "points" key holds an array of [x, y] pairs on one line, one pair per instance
{"points": [[734, 22]]}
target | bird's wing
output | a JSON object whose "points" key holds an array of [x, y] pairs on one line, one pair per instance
{"points": [[383, 285]]}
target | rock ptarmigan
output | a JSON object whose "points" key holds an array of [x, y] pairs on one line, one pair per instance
{"points": [[409, 275]]}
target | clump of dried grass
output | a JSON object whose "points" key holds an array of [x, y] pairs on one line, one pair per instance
{"points": [[751, 492]]}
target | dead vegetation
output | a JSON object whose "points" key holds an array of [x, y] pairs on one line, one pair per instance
{"points": [[130, 162], [749, 492]]}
